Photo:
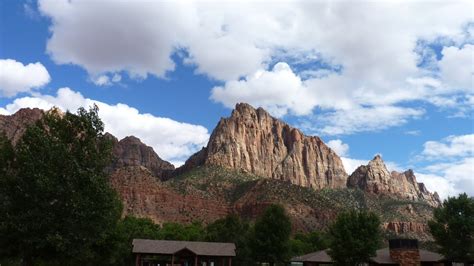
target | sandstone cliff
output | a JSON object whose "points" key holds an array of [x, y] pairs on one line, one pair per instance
{"points": [[252, 141], [130, 151], [375, 178]]}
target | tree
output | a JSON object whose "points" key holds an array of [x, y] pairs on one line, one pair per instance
{"points": [[453, 228], [174, 231], [306, 243], [354, 237], [271, 234], [129, 228], [56, 203], [232, 229]]}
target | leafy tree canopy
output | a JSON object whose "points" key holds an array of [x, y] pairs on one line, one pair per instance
{"points": [[271, 234], [354, 237], [453, 228], [55, 201]]}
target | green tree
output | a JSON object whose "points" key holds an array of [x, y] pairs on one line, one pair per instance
{"points": [[302, 244], [354, 237], [453, 228], [232, 229], [128, 229], [270, 240], [174, 231], [56, 203]]}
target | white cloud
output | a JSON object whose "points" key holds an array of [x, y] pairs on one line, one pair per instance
{"points": [[339, 147], [237, 42], [451, 165], [350, 164], [102, 80], [16, 77], [450, 179], [452, 146], [172, 140], [441, 185], [360, 119], [457, 67], [106, 80], [279, 91]]}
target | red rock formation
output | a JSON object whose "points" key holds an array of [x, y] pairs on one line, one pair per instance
{"points": [[130, 151], [375, 178], [144, 196], [251, 140], [15, 125]]}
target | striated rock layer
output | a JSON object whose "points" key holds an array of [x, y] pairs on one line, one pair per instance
{"points": [[251, 140], [375, 178]]}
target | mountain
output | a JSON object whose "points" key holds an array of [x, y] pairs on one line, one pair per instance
{"points": [[131, 151], [15, 125], [375, 178], [253, 160], [252, 141]]}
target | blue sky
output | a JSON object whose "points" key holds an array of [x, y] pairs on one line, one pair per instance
{"points": [[393, 78]]}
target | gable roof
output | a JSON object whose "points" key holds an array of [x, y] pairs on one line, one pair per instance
{"points": [[170, 247], [382, 257], [318, 256]]}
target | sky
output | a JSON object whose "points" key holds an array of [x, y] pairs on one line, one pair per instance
{"points": [[369, 77]]}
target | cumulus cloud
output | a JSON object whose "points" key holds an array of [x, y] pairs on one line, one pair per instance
{"points": [[450, 168], [450, 179], [350, 164], [457, 67], [360, 119], [238, 43], [172, 140], [452, 146], [341, 148], [279, 91], [16, 77]]}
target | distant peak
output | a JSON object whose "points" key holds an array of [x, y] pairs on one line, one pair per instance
{"points": [[242, 108], [377, 157]]}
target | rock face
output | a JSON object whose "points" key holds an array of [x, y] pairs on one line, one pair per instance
{"points": [[145, 196], [375, 178], [251, 140], [130, 151], [15, 125]]}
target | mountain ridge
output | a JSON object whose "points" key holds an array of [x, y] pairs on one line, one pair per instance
{"points": [[232, 175]]}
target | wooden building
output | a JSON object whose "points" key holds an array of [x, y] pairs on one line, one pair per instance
{"points": [[182, 253]]}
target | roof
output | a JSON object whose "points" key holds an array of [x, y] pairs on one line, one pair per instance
{"points": [[382, 257], [318, 256], [171, 247]]}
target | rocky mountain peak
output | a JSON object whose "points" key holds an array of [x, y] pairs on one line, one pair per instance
{"points": [[375, 178], [131, 151], [253, 141]]}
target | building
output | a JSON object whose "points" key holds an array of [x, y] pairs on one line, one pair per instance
{"points": [[182, 253], [403, 252]]}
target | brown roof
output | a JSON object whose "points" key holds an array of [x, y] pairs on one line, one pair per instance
{"points": [[171, 247], [382, 257], [318, 256]]}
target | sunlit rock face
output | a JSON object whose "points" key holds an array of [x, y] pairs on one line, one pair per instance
{"points": [[251, 140], [375, 178]]}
